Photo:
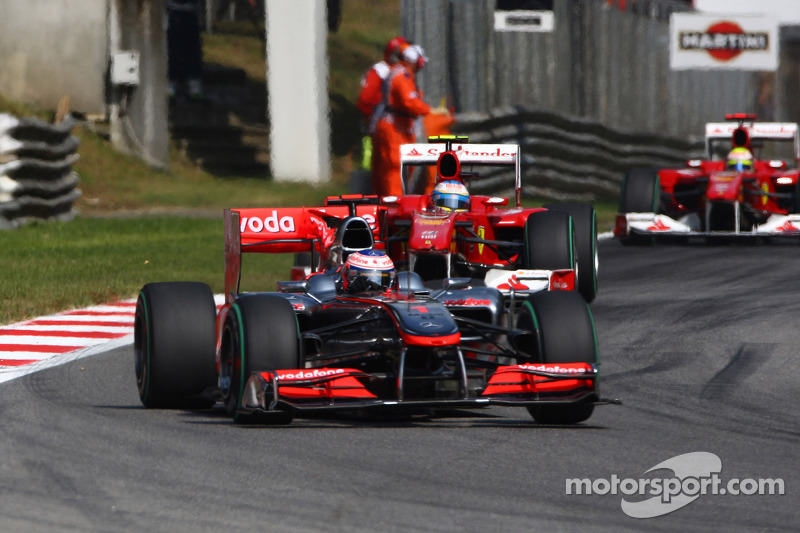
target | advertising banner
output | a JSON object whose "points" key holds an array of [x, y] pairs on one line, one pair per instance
{"points": [[713, 41]]}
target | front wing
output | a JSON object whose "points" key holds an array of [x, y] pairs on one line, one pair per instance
{"points": [[346, 389], [652, 224]]}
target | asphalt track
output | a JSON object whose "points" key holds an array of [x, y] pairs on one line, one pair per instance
{"points": [[700, 343]]}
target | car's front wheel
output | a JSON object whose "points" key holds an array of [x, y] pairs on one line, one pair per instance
{"points": [[566, 334], [641, 193], [549, 241], [260, 335], [584, 220]]}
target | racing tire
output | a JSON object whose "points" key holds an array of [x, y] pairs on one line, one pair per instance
{"points": [[174, 345], [260, 335], [565, 331], [549, 241], [584, 221], [641, 193]]}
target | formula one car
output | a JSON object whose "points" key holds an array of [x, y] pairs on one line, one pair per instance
{"points": [[748, 187], [330, 343], [516, 250]]}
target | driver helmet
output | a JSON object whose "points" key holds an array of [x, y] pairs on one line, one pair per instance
{"points": [[371, 265], [740, 159], [450, 195]]}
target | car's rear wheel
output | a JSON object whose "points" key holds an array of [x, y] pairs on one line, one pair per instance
{"points": [[549, 241], [566, 334], [584, 221], [174, 345], [260, 335], [641, 193]]}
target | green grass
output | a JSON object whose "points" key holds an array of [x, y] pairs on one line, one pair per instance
{"points": [[49, 267]]}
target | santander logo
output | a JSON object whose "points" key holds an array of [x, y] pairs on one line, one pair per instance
{"points": [[272, 224]]}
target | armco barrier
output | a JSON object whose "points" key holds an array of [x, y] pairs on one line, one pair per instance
{"points": [[36, 176], [568, 158]]}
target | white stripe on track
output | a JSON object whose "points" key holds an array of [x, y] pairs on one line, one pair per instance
{"points": [[31, 340], [87, 328], [88, 319]]}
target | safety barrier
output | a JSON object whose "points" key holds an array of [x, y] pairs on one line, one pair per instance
{"points": [[36, 176], [566, 158]]}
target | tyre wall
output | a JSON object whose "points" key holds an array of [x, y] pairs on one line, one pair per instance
{"points": [[568, 158], [36, 176]]}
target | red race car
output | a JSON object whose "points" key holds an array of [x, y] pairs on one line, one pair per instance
{"points": [[748, 187], [517, 250]]}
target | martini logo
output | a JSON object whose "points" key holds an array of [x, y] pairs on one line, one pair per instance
{"points": [[724, 41]]}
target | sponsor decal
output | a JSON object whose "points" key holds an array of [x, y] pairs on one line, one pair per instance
{"points": [[788, 227], [693, 475], [467, 302], [560, 285], [513, 283], [272, 224], [432, 221], [658, 225], [481, 234], [557, 369], [309, 374], [724, 40], [473, 151]]}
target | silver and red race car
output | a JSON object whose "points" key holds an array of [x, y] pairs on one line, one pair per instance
{"points": [[748, 187], [323, 344]]}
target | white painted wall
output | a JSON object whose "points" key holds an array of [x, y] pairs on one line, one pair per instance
{"points": [[53, 48], [297, 74]]}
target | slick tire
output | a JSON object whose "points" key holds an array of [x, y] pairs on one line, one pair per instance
{"points": [[566, 334], [260, 335], [641, 193], [174, 345], [549, 241], [584, 220]]}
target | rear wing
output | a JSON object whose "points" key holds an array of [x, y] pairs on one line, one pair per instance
{"points": [[757, 131], [468, 154], [284, 230]]}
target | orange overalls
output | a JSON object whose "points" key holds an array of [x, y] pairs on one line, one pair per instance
{"points": [[402, 104]]}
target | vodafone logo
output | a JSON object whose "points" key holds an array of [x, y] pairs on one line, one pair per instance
{"points": [[557, 369], [309, 374], [724, 40], [272, 224]]}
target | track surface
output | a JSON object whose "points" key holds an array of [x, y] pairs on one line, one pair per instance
{"points": [[700, 343]]}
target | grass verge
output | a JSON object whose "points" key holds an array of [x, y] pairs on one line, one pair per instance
{"points": [[49, 267]]}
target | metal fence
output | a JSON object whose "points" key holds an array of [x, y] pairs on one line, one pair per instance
{"points": [[599, 63]]}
